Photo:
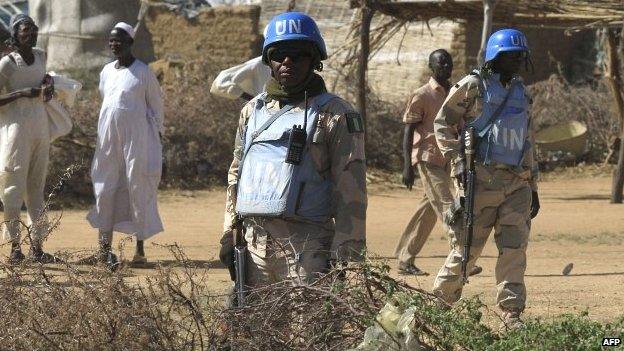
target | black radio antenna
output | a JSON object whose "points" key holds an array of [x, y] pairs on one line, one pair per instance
{"points": [[305, 113]]}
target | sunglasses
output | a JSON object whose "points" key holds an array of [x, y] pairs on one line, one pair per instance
{"points": [[517, 54], [28, 28], [280, 55]]}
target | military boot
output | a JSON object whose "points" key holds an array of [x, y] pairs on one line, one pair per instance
{"points": [[410, 269], [16, 254], [511, 319]]}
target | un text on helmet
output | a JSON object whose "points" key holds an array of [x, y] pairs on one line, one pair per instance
{"points": [[293, 26], [518, 40]]}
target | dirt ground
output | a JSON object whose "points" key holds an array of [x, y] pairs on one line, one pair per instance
{"points": [[576, 225]]}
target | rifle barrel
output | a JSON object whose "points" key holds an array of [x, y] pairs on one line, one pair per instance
{"points": [[240, 262], [469, 196]]}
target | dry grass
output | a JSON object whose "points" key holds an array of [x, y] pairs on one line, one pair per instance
{"points": [[69, 307]]}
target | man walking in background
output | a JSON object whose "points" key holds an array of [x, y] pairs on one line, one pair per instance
{"points": [[421, 152]]}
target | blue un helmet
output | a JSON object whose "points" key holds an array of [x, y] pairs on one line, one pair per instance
{"points": [[505, 40], [292, 26]]}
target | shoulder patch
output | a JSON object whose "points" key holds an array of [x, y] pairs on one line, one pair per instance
{"points": [[355, 124]]}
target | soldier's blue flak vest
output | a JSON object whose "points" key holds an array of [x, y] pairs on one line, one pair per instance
{"points": [[268, 186], [502, 139]]}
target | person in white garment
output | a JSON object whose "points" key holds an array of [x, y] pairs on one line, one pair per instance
{"points": [[127, 163], [242, 81], [25, 138]]}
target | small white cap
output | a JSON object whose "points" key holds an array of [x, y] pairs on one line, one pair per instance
{"points": [[126, 28]]}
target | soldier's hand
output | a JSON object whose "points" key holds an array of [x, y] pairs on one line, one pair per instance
{"points": [[226, 252], [408, 177], [30, 92], [535, 204], [454, 212], [459, 172]]}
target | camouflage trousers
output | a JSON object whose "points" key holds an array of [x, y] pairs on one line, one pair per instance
{"points": [[502, 203], [437, 197], [281, 249]]}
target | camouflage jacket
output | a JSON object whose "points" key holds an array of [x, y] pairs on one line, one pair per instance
{"points": [[463, 104], [338, 153]]}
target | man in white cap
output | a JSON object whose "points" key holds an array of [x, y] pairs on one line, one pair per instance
{"points": [[127, 163]]}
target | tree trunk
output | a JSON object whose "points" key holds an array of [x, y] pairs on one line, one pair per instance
{"points": [[612, 74], [291, 5], [367, 17], [618, 179], [488, 18]]}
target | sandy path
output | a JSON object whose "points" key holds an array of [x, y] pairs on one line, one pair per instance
{"points": [[577, 224]]}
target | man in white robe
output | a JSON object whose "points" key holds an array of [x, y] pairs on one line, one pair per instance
{"points": [[127, 163], [25, 138]]}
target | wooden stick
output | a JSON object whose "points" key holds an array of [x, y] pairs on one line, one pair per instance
{"points": [[612, 74], [367, 17], [488, 15]]}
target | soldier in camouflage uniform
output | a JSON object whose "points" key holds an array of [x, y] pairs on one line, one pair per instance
{"points": [[297, 217], [493, 101]]}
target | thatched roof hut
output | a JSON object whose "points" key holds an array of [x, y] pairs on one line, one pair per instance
{"points": [[540, 13]]}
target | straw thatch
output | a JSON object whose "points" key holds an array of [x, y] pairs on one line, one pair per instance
{"points": [[543, 13]]}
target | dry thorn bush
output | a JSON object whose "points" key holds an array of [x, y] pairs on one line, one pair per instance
{"points": [[72, 307], [330, 314], [557, 101], [67, 307]]}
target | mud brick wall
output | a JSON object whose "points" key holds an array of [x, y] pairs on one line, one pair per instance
{"points": [[226, 35]]}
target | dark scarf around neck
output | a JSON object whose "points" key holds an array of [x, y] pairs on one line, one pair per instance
{"points": [[314, 85]]}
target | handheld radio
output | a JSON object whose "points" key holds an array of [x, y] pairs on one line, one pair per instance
{"points": [[298, 138]]}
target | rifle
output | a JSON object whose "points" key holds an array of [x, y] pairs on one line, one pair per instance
{"points": [[469, 146], [240, 261]]}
